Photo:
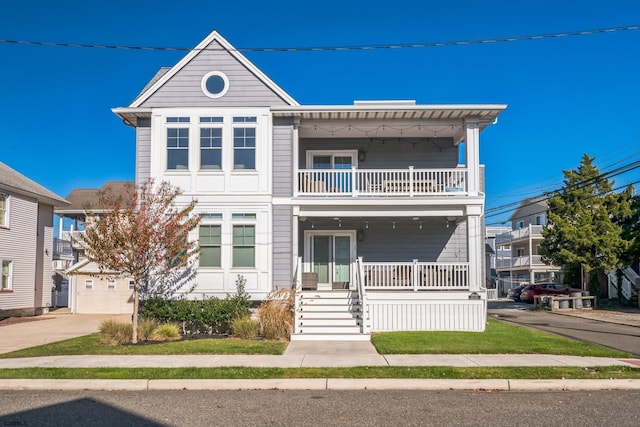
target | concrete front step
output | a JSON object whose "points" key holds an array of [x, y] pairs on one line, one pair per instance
{"points": [[330, 337], [328, 329], [305, 321]]}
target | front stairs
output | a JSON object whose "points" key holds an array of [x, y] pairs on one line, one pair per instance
{"points": [[329, 316]]}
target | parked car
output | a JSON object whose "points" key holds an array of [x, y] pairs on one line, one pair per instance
{"points": [[530, 291], [514, 293]]}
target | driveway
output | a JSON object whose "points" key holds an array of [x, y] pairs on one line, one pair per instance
{"points": [[614, 329], [38, 330]]}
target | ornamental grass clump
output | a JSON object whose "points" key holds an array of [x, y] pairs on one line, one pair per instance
{"points": [[146, 329], [245, 327], [115, 333], [276, 314], [167, 332]]}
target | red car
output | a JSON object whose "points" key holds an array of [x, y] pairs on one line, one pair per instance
{"points": [[530, 291]]}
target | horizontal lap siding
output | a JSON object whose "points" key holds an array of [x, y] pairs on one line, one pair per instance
{"points": [[143, 151], [183, 89], [18, 244], [282, 246], [282, 159]]}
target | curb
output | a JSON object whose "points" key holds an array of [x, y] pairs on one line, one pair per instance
{"points": [[325, 384]]}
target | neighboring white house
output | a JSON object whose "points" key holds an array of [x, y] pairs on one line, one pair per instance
{"points": [[26, 244], [525, 265], [367, 204]]}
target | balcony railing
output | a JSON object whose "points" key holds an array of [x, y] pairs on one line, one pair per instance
{"points": [[62, 249], [521, 261], [523, 233], [75, 237], [417, 276], [381, 182]]}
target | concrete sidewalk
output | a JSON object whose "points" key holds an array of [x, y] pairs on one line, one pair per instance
{"points": [[299, 354]]}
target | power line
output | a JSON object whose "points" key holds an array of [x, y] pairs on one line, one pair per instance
{"points": [[341, 48]]}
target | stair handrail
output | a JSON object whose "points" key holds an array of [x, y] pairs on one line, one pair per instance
{"points": [[362, 296], [297, 286]]}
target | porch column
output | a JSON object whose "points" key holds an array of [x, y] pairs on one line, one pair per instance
{"points": [[474, 245], [295, 154], [472, 155]]}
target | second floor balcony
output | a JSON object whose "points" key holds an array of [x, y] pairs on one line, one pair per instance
{"points": [[533, 231], [353, 182]]}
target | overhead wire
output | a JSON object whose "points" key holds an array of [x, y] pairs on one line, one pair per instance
{"points": [[563, 34]]}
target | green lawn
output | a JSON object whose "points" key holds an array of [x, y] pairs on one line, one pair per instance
{"points": [[427, 372], [89, 344], [499, 338]]}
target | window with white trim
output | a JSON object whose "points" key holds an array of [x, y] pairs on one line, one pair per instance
{"points": [[541, 219], [111, 285], [88, 284], [178, 144], [244, 144], [6, 283], [211, 148], [519, 225], [244, 245], [4, 210], [132, 285], [210, 241]]}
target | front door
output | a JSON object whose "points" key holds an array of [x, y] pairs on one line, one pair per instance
{"points": [[330, 255]]}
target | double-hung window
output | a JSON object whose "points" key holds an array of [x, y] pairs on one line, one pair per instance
{"points": [[210, 245], [244, 143], [6, 271], [244, 240], [88, 284], [210, 144], [177, 144], [4, 210]]}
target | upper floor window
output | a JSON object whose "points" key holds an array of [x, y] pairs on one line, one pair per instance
{"points": [[214, 84], [111, 285], [7, 270], [244, 148], [88, 284], [4, 210], [177, 148], [132, 285], [519, 225], [541, 219], [211, 148]]}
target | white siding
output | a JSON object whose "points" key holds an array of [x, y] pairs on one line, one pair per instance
{"points": [[143, 151]]}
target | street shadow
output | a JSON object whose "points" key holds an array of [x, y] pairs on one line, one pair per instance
{"points": [[80, 412]]}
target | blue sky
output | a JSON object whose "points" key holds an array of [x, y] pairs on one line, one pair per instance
{"points": [[566, 96]]}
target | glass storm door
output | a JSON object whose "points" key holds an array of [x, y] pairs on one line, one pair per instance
{"points": [[331, 258]]}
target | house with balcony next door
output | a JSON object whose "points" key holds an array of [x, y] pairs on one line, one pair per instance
{"points": [[525, 264], [373, 211]]}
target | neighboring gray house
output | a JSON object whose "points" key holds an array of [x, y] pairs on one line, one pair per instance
{"points": [[525, 264], [366, 209], [26, 244]]}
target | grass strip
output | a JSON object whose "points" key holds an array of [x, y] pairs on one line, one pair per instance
{"points": [[498, 338], [426, 372], [90, 345]]}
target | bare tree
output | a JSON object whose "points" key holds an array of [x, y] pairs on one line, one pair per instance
{"points": [[144, 236]]}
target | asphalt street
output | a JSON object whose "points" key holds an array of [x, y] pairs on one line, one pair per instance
{"points": [[319, 408], [621, 337]]}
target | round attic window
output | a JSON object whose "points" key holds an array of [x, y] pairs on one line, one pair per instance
{"points": [[215, 84]]}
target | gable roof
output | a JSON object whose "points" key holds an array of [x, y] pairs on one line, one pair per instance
{"points": [[84, 199], [15, 181], [163, 76], [528, 207]]}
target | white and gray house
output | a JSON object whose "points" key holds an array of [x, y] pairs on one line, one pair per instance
{"points": [[373, 212]]}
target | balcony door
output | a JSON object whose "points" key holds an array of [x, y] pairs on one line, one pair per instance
{"points": [[330, 254], [335, 167]]}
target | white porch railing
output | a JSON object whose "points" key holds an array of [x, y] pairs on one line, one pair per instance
{"points": [[297, 286], [416, 275], [521, 261], [362, 296], [381, 182], [62, 249]]}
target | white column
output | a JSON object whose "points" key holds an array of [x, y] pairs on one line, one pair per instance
{"points": [[474, 245], [472, 155]]}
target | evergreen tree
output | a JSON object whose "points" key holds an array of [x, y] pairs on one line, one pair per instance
{"points": [[584, 222]]}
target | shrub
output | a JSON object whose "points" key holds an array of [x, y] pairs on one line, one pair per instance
{"points": [[115, 333], [240, 299], [167, 332], [276, 315], [245, 327], [146, 328]]}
